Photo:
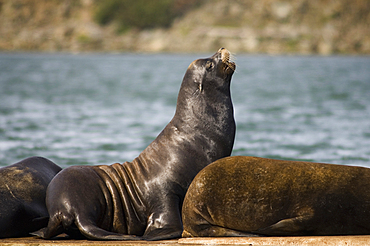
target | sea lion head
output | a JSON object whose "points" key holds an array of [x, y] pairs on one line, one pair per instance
{"points": [[219, 63], [209, 74]]}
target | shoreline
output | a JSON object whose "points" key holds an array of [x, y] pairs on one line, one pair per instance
{"points": [[253, 27]]}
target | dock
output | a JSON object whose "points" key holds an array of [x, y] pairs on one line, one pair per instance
{"points": [[252, 241]]}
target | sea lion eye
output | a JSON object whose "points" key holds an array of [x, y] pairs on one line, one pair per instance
{"points": [[209, 65]]}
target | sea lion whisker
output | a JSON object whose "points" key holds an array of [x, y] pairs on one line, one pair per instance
{"points": [[232, 58]]}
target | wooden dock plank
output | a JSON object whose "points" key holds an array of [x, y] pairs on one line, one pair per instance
{"points": [[253, 241]]}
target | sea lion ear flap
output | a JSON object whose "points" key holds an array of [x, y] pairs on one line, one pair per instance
{"points": [[197, 78], [200, 86]]}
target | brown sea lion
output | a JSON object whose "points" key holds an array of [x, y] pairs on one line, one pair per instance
{"points": [[142, 199], [246, 196], [22, 196]]}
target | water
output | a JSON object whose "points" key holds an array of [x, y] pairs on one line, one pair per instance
{"points": [[100, 109]]}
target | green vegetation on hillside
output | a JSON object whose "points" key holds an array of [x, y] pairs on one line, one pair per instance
{"points": [[141, 14]]}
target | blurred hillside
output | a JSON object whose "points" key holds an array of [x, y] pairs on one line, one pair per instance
{"points": [[263, 26]]}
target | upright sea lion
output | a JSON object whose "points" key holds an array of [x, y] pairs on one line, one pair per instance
{"points": [[142, 199], [22, 196], [246, 196]]}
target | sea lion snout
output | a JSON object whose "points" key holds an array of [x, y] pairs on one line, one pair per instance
{"points": [[225, 55], [226, 59]]}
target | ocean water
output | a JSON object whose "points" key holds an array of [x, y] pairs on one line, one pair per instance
{"points": [[106, 108]]}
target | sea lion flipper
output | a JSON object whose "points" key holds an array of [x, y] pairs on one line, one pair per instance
{"points": [[46, 233], [162, 233], [93, 232], [40, 233], [57, 222], [164, 225], [291, 226]]}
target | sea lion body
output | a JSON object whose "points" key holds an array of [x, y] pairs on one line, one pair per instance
{"points": [[246, 196], [142, 199], [22, 196]]}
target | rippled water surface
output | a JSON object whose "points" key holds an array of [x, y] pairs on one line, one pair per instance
{"points": [[101, 109]]}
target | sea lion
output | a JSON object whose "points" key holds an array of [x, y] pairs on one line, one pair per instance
{"points": [[251, 196], [22, 196], [142, 199]]}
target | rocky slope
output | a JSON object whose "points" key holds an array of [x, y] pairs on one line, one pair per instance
{"points": [[264, 26]]}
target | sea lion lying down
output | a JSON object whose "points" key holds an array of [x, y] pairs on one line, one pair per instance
{"points": [[249, 196], [22, 196]]}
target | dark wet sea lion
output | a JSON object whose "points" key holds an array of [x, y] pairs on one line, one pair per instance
{"points": [[22, 196], [142, 199], [245, 196]]}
